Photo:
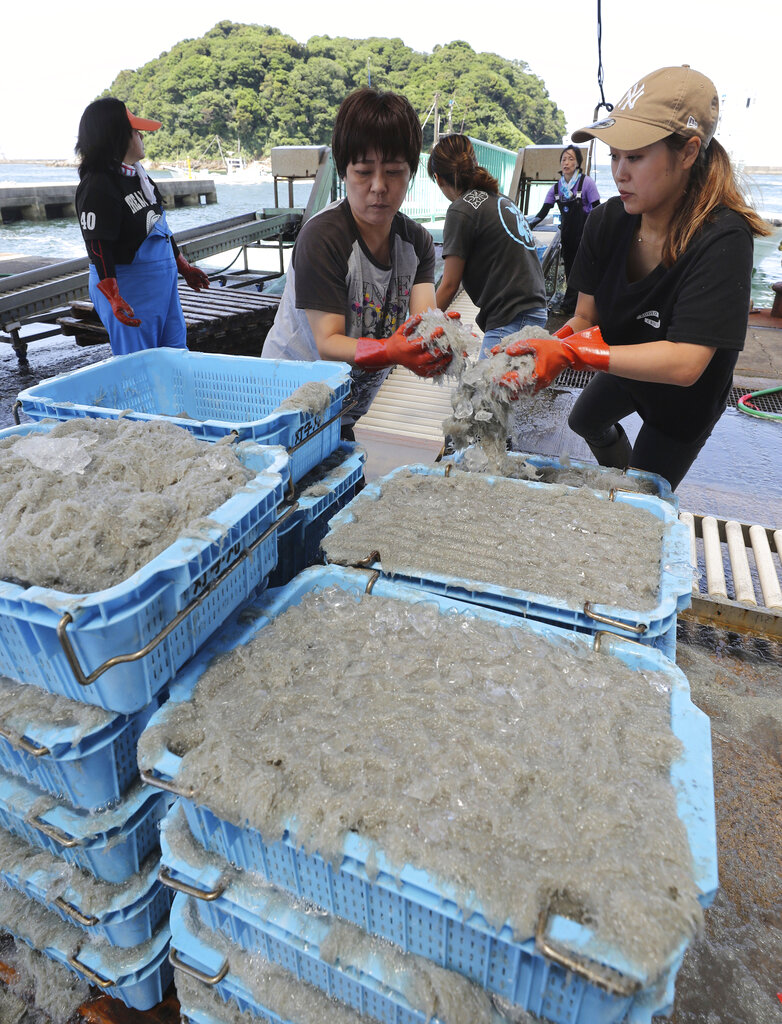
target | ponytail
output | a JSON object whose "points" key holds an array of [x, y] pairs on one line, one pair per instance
{"points": [[453, 159], [712, 183]]}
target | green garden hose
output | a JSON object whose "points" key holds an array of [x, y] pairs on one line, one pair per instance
{"points": [[744, 405]]}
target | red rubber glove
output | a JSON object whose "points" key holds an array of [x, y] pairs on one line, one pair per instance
{"points": [[404, 349], [194, 277], [122, 311], [585, 350]]}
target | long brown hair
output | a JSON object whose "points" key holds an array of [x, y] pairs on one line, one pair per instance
{"points": [[454, 159], [712, 183]]}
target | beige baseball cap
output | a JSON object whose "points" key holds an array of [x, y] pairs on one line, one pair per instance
{"points": [[664, 102]]}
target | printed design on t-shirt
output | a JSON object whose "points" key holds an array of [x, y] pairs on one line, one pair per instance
{"points": [[651, 317], [515, 223], [136, 201], [475, 198], [368, 311], [152, 219]]}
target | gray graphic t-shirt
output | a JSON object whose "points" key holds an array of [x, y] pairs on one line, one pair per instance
{"points": [[332, 271]]}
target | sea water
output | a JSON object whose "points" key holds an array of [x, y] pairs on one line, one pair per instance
{"points": [[61, 239]]}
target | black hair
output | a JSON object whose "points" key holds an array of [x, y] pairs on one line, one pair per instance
{"points": [[576, 153], [454, 159], [104, 136], [372, 120]]}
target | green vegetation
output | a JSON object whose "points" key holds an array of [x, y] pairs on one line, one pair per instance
{"points": [[254, 84]]}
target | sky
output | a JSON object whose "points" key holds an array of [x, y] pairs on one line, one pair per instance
{"points": [[57, 56]]}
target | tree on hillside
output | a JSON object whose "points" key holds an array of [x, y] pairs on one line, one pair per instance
{"points": [[253, 85]]}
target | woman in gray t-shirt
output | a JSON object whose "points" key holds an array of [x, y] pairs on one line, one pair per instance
{"points": [[487, 246]]}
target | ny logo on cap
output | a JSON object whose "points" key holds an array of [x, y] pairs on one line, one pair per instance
{"points": [[631, 97]]}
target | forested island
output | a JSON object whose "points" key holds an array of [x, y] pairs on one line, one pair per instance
{"points": [[255, 88]]}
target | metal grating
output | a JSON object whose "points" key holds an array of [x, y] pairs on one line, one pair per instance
{"points": [[764, 403]]}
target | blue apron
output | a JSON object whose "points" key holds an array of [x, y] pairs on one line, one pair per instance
{"points": [[148, 285]]}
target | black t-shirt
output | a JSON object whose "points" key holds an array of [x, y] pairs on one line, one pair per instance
{"points": [[112, 207], [703, 299], [502, 272]]}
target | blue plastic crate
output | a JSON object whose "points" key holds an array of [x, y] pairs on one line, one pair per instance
{"points": [[407, 906], [138, 976], [210, 395], [91, 772], [124, 915], [112, 845], [551, 465], [298, 541], [169, 607], [291, 939], [655, 627]]}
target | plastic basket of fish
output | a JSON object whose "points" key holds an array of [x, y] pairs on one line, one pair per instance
{"points": [[323, 492], [124, 915], [552, 469], [111, 845], [558, 970], [119, 646], [211, 395], [69, 749], [574, 557], [138, 975]]}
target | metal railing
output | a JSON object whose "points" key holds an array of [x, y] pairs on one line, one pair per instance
{"points": [[424, 199]]}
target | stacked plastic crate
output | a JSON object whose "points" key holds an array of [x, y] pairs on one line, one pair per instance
{"points": [[120, 649], [654, 626], [252, 910], [81, 830], [214, 396]]}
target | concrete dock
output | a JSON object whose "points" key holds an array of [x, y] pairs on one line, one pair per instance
{"points": [[56, 199]]}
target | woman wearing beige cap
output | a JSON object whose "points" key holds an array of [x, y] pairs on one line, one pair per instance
{"points": [[134, 259], [663, 275]]}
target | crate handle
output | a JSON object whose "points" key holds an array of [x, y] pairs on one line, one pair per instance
{"points": [[16, 408], [612, 622], [595, 973], [170, 787], [119, 659], [602, 633], [619, 490], [89, 974], [23, 744], [346, 407], [55, 833], [167, 879], [208, 979], [75, 913]]}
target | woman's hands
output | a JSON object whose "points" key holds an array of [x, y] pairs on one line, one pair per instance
{"points": [[553, 355], [121, 309], [194, 277], [405, 347]]}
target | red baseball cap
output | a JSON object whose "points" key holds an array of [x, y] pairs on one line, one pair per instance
{"points": [[143, 124]]}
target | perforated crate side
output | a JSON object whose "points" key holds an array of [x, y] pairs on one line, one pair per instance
{"points": [[93, 774], [394, 911]]}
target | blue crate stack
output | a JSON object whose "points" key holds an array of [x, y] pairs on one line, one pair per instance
{"points": [[238, 890], [76, 796], [656, 628]]}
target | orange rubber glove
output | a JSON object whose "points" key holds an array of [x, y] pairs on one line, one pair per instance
{"points": [[405, 349], [585, 350], [122, 311], [194, 277]]}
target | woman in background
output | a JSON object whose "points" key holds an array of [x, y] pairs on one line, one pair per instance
{"points": [[134, 259], [576, 195], [487, 246]]}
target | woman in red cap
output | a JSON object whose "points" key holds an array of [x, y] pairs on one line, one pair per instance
{"points": [[663, 275], [134, 259]]}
